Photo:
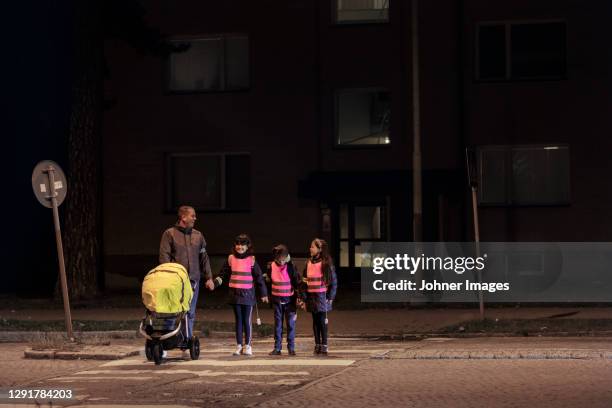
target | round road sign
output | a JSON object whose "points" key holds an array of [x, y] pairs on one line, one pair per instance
{"points": [[43, 189]]}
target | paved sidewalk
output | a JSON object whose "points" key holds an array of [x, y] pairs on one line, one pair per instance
{"points": [[363, 322]]}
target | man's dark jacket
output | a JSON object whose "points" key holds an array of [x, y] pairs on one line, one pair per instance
{"points": [[187, 247]]}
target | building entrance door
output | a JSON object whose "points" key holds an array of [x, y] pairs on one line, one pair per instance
{"points": [[359, 223]]}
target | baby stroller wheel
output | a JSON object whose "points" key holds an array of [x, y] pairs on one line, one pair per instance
{"points": [[194, 348], [149, 350], [157, 353]]}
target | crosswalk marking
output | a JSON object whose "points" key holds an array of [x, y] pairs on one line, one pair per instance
{"points": [[241, 362], [202, 373], [92, 378]]}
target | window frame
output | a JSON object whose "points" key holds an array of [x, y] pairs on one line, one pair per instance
{"points": [[171, 208], [336, 23], [508, 51], [509, 175], [221, 62], [336, 118]]}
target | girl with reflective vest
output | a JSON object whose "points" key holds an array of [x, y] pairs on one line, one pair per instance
{"points": [[284, 283], [243, 273], [319, 284]]}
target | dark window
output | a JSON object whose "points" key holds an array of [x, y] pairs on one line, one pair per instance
{"points": [[492, 52], [515, 51], [209, 181], [524, 175], [210, 64], [363, 117], [538, 50]]}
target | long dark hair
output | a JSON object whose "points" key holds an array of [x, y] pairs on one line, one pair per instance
{"points": [[326, 260]]}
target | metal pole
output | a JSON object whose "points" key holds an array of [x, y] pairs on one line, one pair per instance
{"points": [[477, 242], [417, 189], [60, 252]]}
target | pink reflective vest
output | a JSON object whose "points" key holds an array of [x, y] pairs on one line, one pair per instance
{"points": [[314, 278], [241, 278], [281, 283]]}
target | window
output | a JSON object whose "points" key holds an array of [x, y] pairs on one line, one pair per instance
{"points": [[209, 181], [361, 11], [210, 64], [515, 51], [523, 175], [363, 117]]}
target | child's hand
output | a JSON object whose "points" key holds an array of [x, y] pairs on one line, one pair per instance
{"points": [[264, 299], [329, 301], [210, 284]]}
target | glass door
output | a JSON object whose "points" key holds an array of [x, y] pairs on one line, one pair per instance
{"points": [[359, 225]]}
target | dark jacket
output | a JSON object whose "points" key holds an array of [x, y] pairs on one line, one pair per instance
{"points": [[188, 248], [319, 301], [244, 296], [294, 277]]}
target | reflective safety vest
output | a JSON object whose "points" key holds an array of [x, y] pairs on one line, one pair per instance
{"points": [[281, 283], [314, 278], [241, 278]]}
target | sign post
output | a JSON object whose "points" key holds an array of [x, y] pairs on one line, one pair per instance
{"points": [[50, 188]]}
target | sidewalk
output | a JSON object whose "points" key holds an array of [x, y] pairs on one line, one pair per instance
{"points": [[363, 322]]}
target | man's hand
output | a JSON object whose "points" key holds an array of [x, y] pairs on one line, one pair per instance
{"points": [[264, 299], [210, 284]]}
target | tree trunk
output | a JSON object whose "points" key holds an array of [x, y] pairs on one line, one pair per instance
{"points": [[82, 226]]}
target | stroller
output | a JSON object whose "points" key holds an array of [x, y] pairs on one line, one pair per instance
{"points": [[167, 294]]}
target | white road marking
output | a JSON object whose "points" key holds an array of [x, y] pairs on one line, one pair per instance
{"points": [[88, 378], [202, 373], [286, 382], [241, 362]]}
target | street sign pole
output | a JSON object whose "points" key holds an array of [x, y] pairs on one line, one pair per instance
{"points": [[50, 188], [50, 170]]}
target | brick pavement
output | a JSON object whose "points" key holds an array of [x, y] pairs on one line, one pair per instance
{"points": [[460, 384]]}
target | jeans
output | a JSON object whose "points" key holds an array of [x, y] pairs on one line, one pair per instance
{"points": [[192, 307], [319, 327], [242, 316], [285, 312]]}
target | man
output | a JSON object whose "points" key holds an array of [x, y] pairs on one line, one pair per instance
{"points": [[185, 245]]}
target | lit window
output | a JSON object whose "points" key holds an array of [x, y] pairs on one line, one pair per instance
{"points": [[362, 11], [363, 117]]}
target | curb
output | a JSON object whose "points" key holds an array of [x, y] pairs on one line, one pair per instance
{"points": [[77, 355], [32, 336], [504, 355]]}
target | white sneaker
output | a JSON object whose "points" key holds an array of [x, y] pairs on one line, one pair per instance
{"points": [[247, 350], [164, 354], [238, 350]]}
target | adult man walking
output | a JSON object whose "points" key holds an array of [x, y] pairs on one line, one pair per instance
{"points": [[185, 245]]}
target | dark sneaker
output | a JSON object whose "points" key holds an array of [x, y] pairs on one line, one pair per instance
{"points": [[317, 349], [275, 352], [323, 349], [291, 352]]}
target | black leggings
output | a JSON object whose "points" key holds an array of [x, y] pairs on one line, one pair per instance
{"points": [[319, 328]]}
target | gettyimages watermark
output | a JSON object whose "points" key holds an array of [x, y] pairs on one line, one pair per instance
{"points": [[502, 271]]}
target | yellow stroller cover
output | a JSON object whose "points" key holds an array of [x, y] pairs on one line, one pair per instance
{"points": [[166, 289]]}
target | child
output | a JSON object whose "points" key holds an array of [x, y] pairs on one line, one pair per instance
{"points": [[243, 272], [284, 279], [320, 291]]}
